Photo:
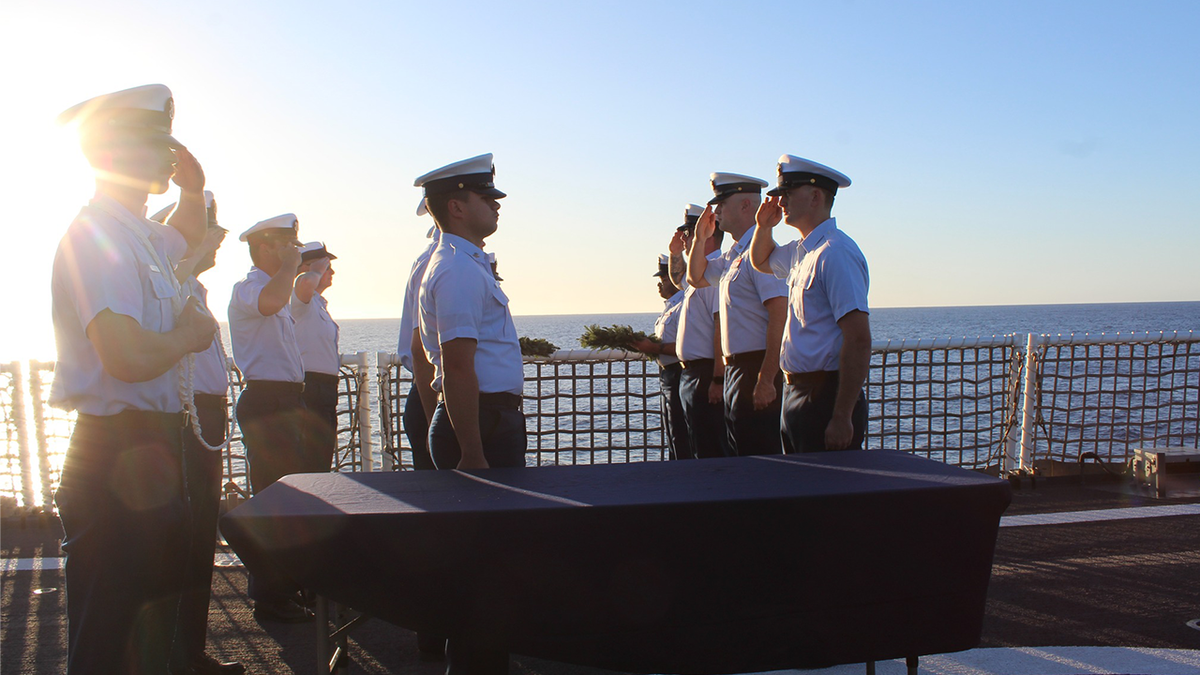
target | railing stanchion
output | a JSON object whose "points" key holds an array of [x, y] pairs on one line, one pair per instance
{"points": [[362, 381], [1029, 404]]}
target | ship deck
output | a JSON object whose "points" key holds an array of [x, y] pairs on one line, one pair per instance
{"points": [[1076, 566]]}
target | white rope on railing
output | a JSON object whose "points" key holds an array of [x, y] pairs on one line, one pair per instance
{"points": [[1119, 338], [922, 344]]}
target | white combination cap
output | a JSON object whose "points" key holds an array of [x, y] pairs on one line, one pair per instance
{"points": [[663, 266], [209, 202], [314, 250], [147, 110], [287, 221], [691, 216], [796, 171], [477, 174], [725, 185]]}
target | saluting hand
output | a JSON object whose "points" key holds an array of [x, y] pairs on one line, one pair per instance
{"points": [[212, 240], [189, 176], [196, 328], [769, 213], [706, 225], [678, 243], [289, 256]]}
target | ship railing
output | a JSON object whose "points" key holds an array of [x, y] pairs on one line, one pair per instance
{"points": [[998, 404]]}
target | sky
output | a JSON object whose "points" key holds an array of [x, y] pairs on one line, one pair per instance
{"points": [[1001, 153]]}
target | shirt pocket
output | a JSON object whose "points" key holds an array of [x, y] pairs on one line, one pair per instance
{"points": [[498, 294], [163, 288]]}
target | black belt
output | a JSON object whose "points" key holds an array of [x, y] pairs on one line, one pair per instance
{"points": [[698, 363], [499, 399], [209, 400], [678, 365], [135, 419], [274, 386], [320, 378], [746, 358], [813, 379]]}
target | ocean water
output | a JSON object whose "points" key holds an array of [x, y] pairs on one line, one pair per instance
{"points": [[375, 335]]}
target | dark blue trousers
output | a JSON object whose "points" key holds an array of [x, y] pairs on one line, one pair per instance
{"points": [[705, 421], [125, 523], [501, 427], [202, 468], [270, 415], [750, 431], [416, 428], [674, 422], [807, 409], [320, 421]]}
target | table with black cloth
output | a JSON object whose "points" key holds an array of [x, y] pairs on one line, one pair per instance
{"points": [[728, 565]]}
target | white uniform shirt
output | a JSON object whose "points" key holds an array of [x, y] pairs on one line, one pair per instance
{"points": [[461, 298], [408, 316], [667, 326], [316, 335], [209, 376], [696, 325], [102, 264], [743, 290], [827, 279], [264, 347]]}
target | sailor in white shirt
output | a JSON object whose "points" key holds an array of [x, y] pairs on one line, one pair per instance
{"points": [[317, 338], [203, 443], [421, 396], [753, 306], [701, 389], [270, 409], [669, 368], [826, 353], [122, 327], [467, 333]]}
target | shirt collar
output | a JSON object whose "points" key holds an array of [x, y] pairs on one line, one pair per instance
{"points": [[466, 247], [741, 244], [819, 234], [118, 209]]}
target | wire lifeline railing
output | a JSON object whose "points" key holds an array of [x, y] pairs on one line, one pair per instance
{"points": [[1101, 397], [989, 403]]}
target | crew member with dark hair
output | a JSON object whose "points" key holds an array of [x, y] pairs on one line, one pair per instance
{"points": [[271, 407], [122, 325], [753, 308], [317, 338], [669, 368], [468, 334], [826, 351]]}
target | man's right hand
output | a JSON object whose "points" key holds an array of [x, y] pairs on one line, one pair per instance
{"points": [[196, 328], [289, 256], [769, 213], [678, 243], [716, 393]]}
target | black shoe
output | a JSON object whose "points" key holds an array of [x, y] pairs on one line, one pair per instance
{"points": [[283, 611], [207, 665]]}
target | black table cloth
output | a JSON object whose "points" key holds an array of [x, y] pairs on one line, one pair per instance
{"points": [[707, 566]]}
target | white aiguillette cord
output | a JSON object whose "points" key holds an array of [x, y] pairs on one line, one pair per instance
{"points": [[186, 388]]}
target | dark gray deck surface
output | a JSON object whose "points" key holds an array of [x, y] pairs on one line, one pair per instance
{"points": [[1131, 583]]}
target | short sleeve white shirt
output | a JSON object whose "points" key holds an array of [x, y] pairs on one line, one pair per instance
{"points": [[827, 279], [210, 375], [696, 325], [316, 335], [264, 347], [461, 298], [667, 326], [408, 316], [743, 290], [101, 263]]}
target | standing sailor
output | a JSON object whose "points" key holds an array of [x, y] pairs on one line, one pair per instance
{"points": [[317, 338], [699, 344], [669, 368], [421, 396], [270, 408], [468, 334], [827, 347], [753, 309], [203, 442], [122, 327]]}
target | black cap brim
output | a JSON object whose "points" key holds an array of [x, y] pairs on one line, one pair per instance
{"points": [[489, 192]]}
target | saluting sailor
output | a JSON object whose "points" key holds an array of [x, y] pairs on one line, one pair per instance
{"points": [[317, 338], [467, 333], [669, 368], [122, 328], [698, 344], [270, 409], [827, 347], [752, 312], [203, 442]]}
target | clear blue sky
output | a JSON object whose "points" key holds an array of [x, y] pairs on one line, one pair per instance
{"points": [[1002, 153]]}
